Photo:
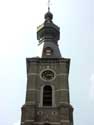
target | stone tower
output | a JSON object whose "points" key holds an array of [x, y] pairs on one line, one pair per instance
{"points": [[47, 95]]}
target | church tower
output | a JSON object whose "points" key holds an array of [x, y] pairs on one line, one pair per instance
{"points": [[47, 95]]}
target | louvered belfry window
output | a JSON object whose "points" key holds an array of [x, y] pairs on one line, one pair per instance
{"points": [[47, 96]]}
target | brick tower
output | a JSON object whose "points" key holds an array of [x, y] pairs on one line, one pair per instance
{"points": [[47, 95]]}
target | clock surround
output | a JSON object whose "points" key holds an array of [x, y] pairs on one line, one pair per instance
{"points": [[47, 75]]}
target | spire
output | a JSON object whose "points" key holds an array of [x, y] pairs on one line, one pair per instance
{"points": [[48, 30], [48, 5], [48, 16], [49, 34]]}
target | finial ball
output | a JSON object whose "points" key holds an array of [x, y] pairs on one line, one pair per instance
{"points": [[48, 16]]}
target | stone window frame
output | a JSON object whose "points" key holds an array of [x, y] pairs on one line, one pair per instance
{"points": [[41, 95]]}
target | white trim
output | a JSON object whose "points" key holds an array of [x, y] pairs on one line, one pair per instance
{"points": [[48, 67], [62, 74], [61, 90], [30, 102], [64, 102], [32, 74], [32, 90], [48, 122], [53, 96], [29, 120], [41, 95], [65, 121]]}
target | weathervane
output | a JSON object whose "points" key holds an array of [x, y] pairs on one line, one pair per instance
{"points": [[48, 5]]}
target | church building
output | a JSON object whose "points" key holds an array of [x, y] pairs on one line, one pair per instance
{"points": [[47, 94]]}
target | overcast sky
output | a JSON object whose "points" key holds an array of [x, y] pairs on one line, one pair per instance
{"points": [[18, 23]]}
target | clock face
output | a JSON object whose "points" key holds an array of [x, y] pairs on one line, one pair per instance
{"points": [[47, 75]]}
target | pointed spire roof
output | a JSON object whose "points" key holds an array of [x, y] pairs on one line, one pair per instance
{"points": [[48, 29], [49, 33]]}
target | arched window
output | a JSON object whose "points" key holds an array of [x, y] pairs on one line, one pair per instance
{"points": [[47, 96]]}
